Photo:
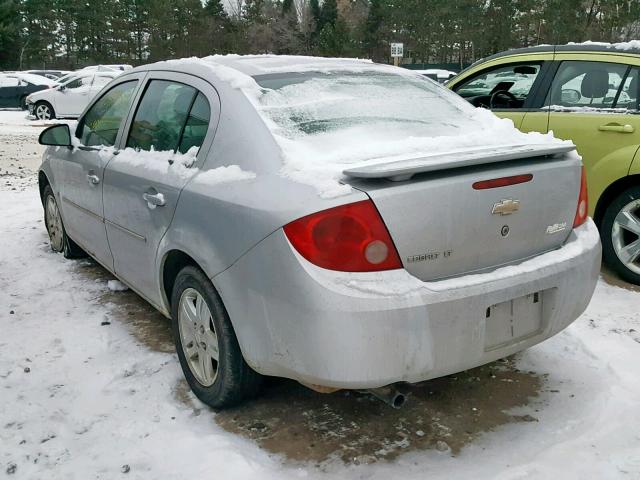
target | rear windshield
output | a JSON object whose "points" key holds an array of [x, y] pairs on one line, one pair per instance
{"points": [[367, 104]]}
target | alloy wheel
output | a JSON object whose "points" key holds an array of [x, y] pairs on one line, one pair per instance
{"points": [[625, 236], [43, 112], [198, 336]]}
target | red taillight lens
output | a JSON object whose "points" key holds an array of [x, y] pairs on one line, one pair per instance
{"points": [[348, 238], [582, 211]]}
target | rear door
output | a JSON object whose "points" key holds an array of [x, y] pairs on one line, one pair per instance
{"points": [[143, 182], [594, 102], [79, 171]]}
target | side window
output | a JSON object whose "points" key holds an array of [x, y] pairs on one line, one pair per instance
{"points": [[586, 85], [79, 82], [197, 124], [101, 123], [169, 118], [501, 87]]}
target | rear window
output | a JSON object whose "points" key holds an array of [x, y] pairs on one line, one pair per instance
{"points": [[373, 104]]}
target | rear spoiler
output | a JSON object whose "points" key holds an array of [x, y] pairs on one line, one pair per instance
{"points": [[400, 170]]}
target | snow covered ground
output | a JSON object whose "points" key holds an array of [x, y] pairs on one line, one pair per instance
{"points": [[87, 392]]}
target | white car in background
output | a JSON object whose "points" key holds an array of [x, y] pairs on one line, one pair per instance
{"points": [[70, 98]]}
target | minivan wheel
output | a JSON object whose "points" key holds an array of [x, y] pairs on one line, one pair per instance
{"points": [[58, 238], [44, 111], [620, 235], [206, 343]]}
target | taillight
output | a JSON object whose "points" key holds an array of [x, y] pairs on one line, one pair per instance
{"points": [[348, 238], [582, 211]]}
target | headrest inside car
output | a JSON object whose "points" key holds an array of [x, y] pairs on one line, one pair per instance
{"points": [[595, 84]]}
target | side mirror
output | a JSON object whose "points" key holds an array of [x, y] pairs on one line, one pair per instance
{"points": [[569, 95], [57, 136]]}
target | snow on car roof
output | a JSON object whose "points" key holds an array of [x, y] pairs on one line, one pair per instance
{"points": [[32, 78], [630, 45], [253, 65]]}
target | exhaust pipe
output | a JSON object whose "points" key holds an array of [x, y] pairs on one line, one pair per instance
{"points": [[389, 395]]}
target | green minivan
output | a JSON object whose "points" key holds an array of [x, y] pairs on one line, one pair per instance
{"points": [[588, 93]]}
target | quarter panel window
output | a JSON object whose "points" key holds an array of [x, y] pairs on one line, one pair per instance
{"points": [[101, 123], [515, 79], [171, 116], [197, 124], [629, 97], [582, 85]]}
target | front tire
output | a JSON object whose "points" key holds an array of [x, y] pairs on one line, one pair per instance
{"points": [[44, 111], [58, 238], [620, 234], [206, 343]]}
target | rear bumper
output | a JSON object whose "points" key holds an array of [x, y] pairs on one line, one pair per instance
{"points": [[371, 329]]}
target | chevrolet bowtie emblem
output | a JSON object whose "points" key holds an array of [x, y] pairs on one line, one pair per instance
{"points": [[506, 207]]}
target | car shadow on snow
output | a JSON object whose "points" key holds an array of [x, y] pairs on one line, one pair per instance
{"points": [[303, 426]]}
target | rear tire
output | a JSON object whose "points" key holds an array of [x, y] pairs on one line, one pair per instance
{"points": [[58, 238], [44, 111], [23, 103], [620, 234], [207, 345]]}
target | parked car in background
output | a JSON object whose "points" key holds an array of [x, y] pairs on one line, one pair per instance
{"points": [[295, 217], [51, 74], [588, 93], [16, 87], [69, 99], [437, 74]]}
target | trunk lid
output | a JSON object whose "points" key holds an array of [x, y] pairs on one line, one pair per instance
{"points": [[443, 227]]}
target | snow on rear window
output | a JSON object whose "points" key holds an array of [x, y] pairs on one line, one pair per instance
{"points": [[328, 121], [387, 104]]}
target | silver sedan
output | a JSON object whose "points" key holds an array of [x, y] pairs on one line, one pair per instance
{"points": [[344, 224]]}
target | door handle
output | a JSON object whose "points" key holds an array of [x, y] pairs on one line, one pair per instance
{"points": [[616, 127], [93, 179], [154, 200]]}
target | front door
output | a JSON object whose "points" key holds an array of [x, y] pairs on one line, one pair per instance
{"points": [[595, 105], [81, 170], [143, 183]]}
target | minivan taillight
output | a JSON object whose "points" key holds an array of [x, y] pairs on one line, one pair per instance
{"points": [[582, 211], [348, 238]]}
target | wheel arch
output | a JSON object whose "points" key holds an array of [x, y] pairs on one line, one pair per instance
{"points": [[172, 262], [43, 181], [611, 192]]}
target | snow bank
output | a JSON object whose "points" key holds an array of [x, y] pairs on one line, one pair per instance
{"points": [[116, 286]]}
